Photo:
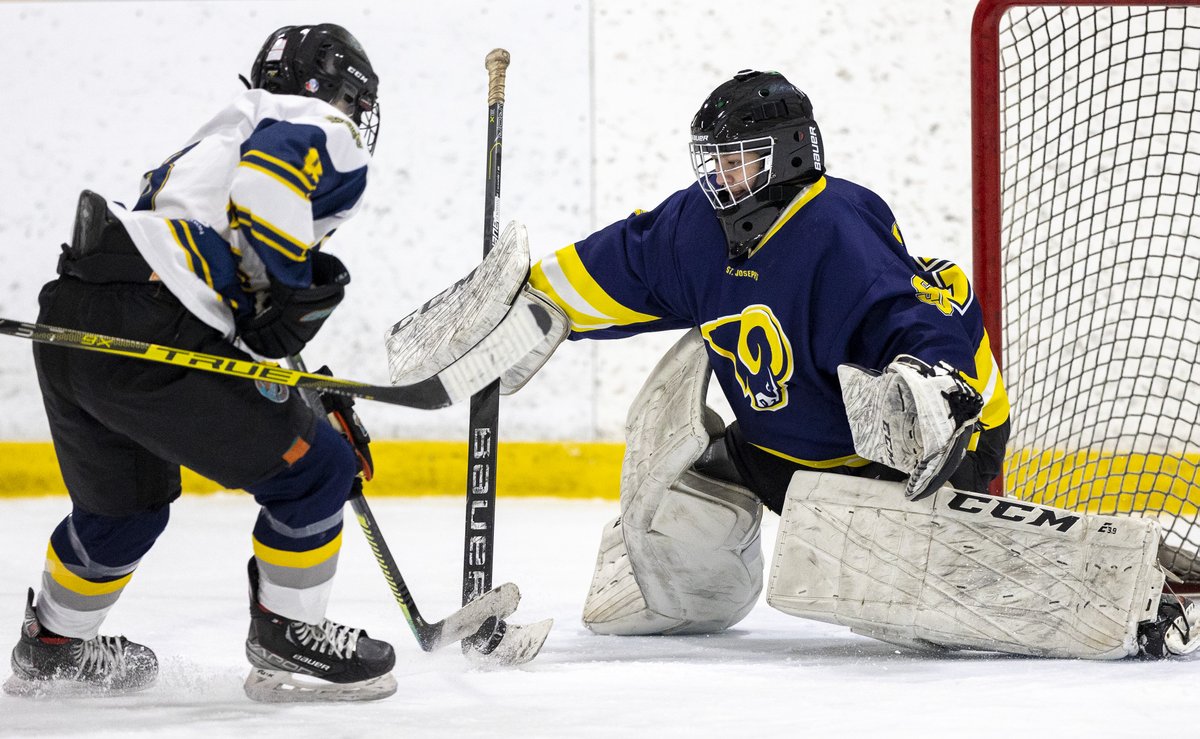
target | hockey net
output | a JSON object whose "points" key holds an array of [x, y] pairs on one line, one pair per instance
{"points": [[1087, 253]]}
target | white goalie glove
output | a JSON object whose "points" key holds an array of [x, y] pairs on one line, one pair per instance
{"points": [[492, 313], [912, 417]]}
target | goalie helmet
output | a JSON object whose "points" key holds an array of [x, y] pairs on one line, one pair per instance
{"points": [[326, 62], [754, 145]]}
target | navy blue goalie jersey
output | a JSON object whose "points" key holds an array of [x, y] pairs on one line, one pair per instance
{"points": [[830, 283]]}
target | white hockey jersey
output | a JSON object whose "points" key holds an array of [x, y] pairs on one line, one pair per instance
{"points": [[257, 187]]}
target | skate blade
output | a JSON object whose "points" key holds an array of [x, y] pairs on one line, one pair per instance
{"points": [[274, 686], [521, 643], [22, 687]]}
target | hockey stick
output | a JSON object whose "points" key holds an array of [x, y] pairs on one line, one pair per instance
{"points": [[466, 621], [463, 623], [485, 405], [451, 385], [497, 641]]}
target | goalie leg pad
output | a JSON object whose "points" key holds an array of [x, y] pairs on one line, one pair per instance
{"points": [[962, 570], [696, 570], [615, 604], [685, 556]]}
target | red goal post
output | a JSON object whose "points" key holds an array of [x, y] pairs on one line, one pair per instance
{"points": [[1086, 167]]}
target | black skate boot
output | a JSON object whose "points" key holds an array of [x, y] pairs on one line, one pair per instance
{"points": [[295, 661], [1175, 632], [44, 663]]}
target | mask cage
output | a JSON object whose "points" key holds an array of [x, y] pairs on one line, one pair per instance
{"points": [[723, 169]]}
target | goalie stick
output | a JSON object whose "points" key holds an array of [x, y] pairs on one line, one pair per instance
{"points": [[491, 606], [457, 382], [497, 642]]}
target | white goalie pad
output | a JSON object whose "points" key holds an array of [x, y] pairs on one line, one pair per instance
{"points": [[962, 570], [442, 330], [912, 417], [685, 555]]}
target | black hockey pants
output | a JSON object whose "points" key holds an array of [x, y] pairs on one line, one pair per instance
{"points": [[123, 427]]}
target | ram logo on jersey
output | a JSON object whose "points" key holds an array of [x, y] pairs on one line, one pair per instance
{"points": [[950, 290], [761, 354]]}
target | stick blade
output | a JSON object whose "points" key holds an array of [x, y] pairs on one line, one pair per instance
{"points": [[497, 603], [520, 644]]}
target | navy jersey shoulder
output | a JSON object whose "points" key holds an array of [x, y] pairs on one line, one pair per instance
{"points": [[831, 283]]}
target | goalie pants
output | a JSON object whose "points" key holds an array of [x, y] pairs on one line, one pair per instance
{"points": [[123, 427], [768, 476]]}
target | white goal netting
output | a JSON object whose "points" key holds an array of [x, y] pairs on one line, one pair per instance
{"points": [[1099, 261]]}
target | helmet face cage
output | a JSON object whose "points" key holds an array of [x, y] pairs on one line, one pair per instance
{"points": [[368, 124], [734, 171], [324, 62]]}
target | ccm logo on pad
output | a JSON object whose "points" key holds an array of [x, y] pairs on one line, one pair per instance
{"points": [[1008, 509]]}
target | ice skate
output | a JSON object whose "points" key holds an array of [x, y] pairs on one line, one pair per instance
{"points": [[44, 663], [296, 662], [1176, 631]]}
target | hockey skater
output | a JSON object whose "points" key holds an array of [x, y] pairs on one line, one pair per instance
{"points": [[862, 381], [222, 253]]}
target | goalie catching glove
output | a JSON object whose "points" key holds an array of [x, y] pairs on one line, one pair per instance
{"points": [[489, 310], [291, 317], [912, 417]]}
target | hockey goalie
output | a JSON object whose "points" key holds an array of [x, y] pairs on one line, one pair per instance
{"points": [[870, 415]]}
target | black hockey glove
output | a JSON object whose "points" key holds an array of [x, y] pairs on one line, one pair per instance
{"points": [[340, 409], [293, 316]]}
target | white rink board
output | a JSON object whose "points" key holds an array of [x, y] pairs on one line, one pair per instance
{"points": [[600, 95]]}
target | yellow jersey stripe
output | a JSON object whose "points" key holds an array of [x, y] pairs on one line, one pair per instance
{"points": [[850, 460], [310, 558], [275, 176], [549, 273], [76, 584], [540, 282], [596, 303], [191, 258], [270, 234], [301, 176], [990, 385], [547, 277], [814, 190], [207, 273]]}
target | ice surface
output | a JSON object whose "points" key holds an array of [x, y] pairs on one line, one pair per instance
{"points": [[772, 675]]}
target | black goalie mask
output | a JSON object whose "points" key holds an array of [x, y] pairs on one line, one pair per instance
{"points": [[754, 146], [325, 62]]}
